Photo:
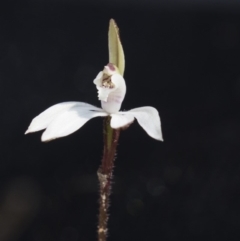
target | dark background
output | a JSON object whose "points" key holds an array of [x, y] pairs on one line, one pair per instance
{"points": [[182, 57]]}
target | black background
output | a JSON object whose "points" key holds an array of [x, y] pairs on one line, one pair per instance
{"points": [[182, 58]]}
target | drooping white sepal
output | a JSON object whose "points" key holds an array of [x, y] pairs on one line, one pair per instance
{"points": [[63, 119], [148, 118], [69, 122]]}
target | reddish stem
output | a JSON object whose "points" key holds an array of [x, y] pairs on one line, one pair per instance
{"points": [[105, 173]]}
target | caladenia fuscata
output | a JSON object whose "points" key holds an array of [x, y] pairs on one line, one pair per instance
{"points": [[65, 118]]}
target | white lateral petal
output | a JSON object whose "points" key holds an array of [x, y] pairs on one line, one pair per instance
{"points": [[69, 121], [148, 118], [41, 121], [120, 120], [119, 82], [98, 79]]}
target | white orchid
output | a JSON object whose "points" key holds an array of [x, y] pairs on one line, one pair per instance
{"points": [[65, 118]]}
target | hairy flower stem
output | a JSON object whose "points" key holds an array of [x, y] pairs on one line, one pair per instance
{"points": [[105, 173]]}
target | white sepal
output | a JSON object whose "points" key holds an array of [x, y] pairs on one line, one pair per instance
{"points": [[69, 121], [41, 121], [148, 118]]}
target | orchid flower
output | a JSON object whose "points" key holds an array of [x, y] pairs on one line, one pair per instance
{"points": [[65, 118]]}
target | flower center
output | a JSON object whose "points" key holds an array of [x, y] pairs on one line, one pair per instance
{"points": [[111, 88], [106, 81]]}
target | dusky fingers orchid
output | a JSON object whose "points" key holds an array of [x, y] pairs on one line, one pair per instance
{"points": [[65, 118]]}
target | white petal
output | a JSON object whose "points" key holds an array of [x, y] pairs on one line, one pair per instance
{"points": [[148, 118], [41, 121], [98, 79], [120, 120], [118, 80], [69, 121]]}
